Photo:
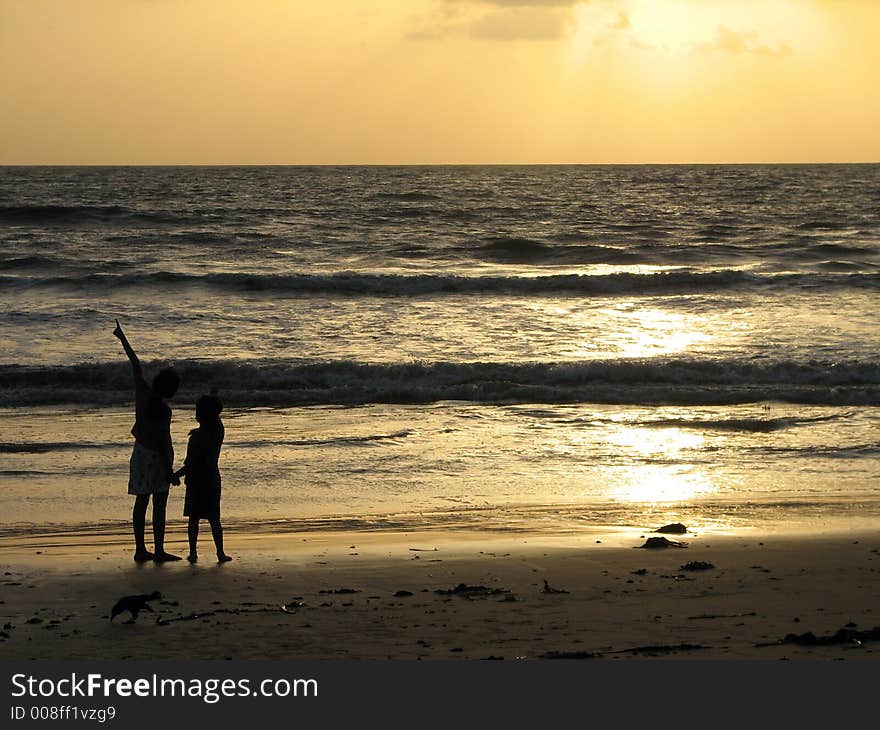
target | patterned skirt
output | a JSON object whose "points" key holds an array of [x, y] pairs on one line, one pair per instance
{"points": [[148, 472]]}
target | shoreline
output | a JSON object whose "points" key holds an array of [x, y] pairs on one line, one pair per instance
{"points": [[572, 522], [619, 602]]}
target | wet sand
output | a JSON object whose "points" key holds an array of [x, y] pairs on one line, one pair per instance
{"points": [[375, 595]]}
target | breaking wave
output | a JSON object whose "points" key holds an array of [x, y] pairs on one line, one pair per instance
{"points": [[344, 382], [369, 284]]}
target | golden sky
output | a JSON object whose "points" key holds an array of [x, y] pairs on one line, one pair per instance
{"points": [[438, 81]]}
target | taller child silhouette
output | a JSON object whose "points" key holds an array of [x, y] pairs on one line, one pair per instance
{"points": [[152, 462]]}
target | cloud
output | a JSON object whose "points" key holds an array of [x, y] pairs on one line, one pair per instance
{"points": [[521, 3], [524, 24], [736, 42], [499, 20]]}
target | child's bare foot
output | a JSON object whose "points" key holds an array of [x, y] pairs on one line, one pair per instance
{"points": [[223, 558], [143, 556], [193, 558], [164, 557]]}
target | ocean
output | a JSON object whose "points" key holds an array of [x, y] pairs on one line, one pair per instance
{"points": [[496, 348]]}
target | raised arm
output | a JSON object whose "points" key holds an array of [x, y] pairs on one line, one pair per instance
{"points": [[132, 356]]}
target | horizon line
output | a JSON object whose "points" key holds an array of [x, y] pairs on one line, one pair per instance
{"points": [[430, 164]]}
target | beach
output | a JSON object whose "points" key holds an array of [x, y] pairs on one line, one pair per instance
{"points": [[484, 363], [380, 595], [528, 368]]}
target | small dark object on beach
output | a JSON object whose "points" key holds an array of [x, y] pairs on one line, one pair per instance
{"points": [[676, 528], [640, 571], [134, 605], [658, 543], [721, 615], [339, 591], [549, 589], [569, 655], [697, 565], [659, 649], [841, 636], [34, 620], [467, 591], [403, 594], [189, 617]]}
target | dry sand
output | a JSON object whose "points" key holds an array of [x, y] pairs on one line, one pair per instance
{"points": [[56, 595]]}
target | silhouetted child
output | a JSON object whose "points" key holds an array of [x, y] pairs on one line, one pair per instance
{"points": [[202, 472], [151, 464]]}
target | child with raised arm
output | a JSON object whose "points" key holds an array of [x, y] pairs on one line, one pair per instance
{"points": [[202, 473], [151, 466]]}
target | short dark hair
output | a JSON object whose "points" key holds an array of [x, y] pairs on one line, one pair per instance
{"points": [[166, 383], [208, 408]]}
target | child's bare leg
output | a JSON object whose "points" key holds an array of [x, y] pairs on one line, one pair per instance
{"points": [[217, 532], [192, 531], [160, 500], [138, 521]]}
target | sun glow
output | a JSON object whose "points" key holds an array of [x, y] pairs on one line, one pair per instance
{"points": [[657, 482], [684, 25], [677, 40], [656, 441], [671, 25], [636, 331]]}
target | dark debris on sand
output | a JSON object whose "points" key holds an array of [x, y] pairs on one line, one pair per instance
{"points": [[659, 649], [217, 611], [676, 528], [551, 590], [466, 591], [697, 565], [845, 635], [654, 649], [703, 616], [660, 543], [339, 591]]}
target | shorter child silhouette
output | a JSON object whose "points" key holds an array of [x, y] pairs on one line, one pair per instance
{"points": [[201, 470]]}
